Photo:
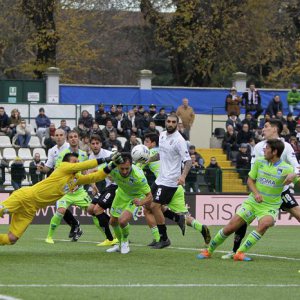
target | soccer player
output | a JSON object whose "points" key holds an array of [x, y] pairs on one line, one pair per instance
{"points": [[23, 203], [272, 130], [266, 182], [102, 199], [176, 210], [173, 152], [133, 191], [79, 197], [61, 145]]}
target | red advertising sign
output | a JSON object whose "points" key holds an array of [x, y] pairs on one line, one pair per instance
{"points": [[219, 209]]}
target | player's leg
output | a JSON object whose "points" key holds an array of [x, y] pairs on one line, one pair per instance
{"points": [[203, 229], [152, 225], [114, 222], [289, 203], [124, 219], [72, 222]]}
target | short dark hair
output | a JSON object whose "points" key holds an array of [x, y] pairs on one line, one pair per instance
{"points": [[95, 137], [126, 157], [153, 137], [173, 116], [68, 156], [276, 123], [276, 144], [41, 109]]}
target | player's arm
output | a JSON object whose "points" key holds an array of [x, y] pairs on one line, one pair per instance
{"points": [[184, 153], [155, 157], [251, 182], [147, 200]]}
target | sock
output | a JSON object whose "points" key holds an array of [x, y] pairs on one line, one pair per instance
{"points": [[4, 240], [118, 232], [104, 224], [163, 231], [196, 225], [219, 238], [155, 233], [171, 215], [96, 222], [238, 237], [251, 240], [54, 223], [69, 218], [125, 232]]}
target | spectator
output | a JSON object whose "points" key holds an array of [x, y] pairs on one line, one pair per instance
{"points": [[262, 121], [233, 102], [295, 144], [49, 141], [243, 162], [244, 135], [119, 123], [96, 130], [23, 134], [181, 130], [235, 122], [152, 110], [87, 120], [297, 132], [3, 164], [252, 123], [112, 142], [160, 118], [64, 126], [108, 128], [140, 112], [212, 174], [199, 158], [4, 123], [18, 173], [258, 135], [14, 121], [81, 130], [100, 115], [151, 128], [285, 133], [251, 145], [187, 115], [42, 123], [35, 174], [191, 181], [274, 106], [112, 112], [120, 111], [252, 101], [279, 116], [84, 144], [293, 99], [229, 142], [144, 122], [132, 125], [132, 142], [291, 123]]}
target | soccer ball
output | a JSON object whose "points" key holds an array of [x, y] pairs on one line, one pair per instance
{"points": [[140, 153]]}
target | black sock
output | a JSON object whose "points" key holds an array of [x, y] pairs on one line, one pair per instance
{"points": [[69, 218], [171, 215], [238, 237], [104, 224], [163, 231]]}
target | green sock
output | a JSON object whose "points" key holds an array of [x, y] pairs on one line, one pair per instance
{"points": [[118, 232], [54, 223], [196, 225], [155, 233], [96, 222], [125, 233], [219, 238], [251, 240]]}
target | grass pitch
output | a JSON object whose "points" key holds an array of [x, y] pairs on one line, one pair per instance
{"points": [[32, 269]]}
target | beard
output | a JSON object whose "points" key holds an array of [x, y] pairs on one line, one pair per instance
{"points": [[171, 130]]}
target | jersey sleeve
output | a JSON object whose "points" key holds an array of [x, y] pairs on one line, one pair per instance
{"points": [[67, 167], [183, 151], [255, 154], [254, 170], [145, 188], [50, 160], [291, 157], [92, 177]]}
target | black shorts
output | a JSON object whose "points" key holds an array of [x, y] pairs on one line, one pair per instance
{"points": [[106, 198], [162, 194], [288, 200]]}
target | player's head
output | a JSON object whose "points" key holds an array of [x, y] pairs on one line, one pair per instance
{"points": [[171, 123], [272, 129], [95, 143], [273, 149], [73, 138], [151, 140], [71, 157], [60, 137], [125, 167]]}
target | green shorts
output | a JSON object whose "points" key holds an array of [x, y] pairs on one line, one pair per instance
{"points": [[121, 203], [79, 198], [177, 203], [251, 210]]}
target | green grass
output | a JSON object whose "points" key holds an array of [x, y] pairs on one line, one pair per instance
{"points": [[31, 261]]}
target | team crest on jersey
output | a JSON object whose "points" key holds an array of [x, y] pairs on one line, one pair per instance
{"points": [[279, 171]]}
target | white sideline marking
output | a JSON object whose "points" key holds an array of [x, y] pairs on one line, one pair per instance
{"points": [[145, 285], [4, 297], [190, 249]]}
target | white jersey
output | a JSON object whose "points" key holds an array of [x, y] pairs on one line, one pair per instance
{"points": [[288, 155], [53, 154], [173, 152], [103, 153]]}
